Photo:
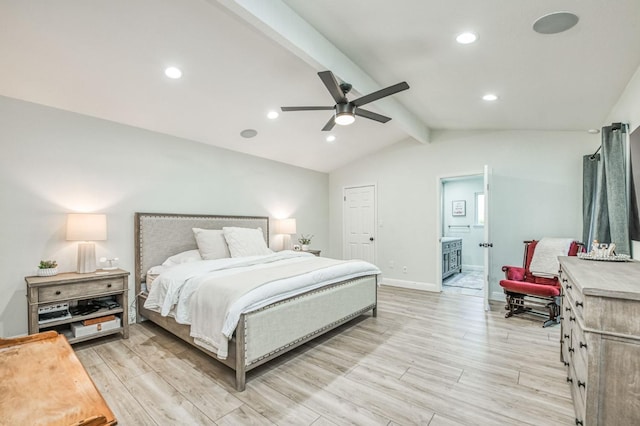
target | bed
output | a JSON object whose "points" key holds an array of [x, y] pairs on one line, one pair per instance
{"points": [[266, 329]]}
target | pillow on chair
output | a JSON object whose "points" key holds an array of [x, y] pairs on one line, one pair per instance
{"points": [[515, 274]]}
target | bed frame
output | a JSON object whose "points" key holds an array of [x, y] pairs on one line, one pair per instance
{"points": [[298, 319]]}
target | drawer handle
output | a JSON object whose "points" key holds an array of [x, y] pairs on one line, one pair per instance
{"points": [[569, 379], [109, 285], [564, 280], [572, 318], [566, 336], [566, 364], [571, 349], [58, 292], [583, 345], [569, 286], [579, 423], [566, 308], [583, 384], [579, 304]]}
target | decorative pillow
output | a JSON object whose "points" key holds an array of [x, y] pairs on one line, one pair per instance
{"points": [[515, 274], [211, 243], [245, 241], [154, 273], [184, 257]]}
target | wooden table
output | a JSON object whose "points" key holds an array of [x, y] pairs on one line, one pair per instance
{"points": [[42, 382]]}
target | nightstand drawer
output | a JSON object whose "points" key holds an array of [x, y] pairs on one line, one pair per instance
{"points": [[83, 290]]}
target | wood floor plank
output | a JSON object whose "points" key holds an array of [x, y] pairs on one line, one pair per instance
{"points": [[275, 406], [124, 363], [394, 407], [244, 415], [339, 410], [127, 408], [199, 389], [164, 403]]}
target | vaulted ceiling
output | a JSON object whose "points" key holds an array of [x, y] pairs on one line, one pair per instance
{"points": [[242, 58]]}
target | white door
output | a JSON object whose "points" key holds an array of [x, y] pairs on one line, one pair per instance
{"points": [[487, 236], [359, 223]]}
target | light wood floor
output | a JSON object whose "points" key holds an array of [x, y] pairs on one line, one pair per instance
{"points": [[428, 359]]}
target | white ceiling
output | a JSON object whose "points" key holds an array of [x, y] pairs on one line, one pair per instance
{"points": [[106, 59]]}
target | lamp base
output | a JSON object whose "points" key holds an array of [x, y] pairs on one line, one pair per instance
{"points": [[86, 258]]}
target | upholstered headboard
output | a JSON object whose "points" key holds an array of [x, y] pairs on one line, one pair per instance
{"points": [[160, 235]]}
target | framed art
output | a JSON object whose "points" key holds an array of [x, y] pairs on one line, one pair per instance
{"points": [[459, 208]]}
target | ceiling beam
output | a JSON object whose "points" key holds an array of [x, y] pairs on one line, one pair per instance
{"points": [[279, 22]]}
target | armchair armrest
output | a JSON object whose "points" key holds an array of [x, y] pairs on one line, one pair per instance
{"points": [[514, 273]]}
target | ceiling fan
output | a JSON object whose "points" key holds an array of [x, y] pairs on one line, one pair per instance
{"points": [[345, 110]]}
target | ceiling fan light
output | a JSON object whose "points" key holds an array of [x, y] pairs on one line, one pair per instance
{"points": [[345, 118]]}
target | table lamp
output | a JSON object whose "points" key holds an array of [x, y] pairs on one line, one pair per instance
{"points": [[286, 227], [87, 228]]}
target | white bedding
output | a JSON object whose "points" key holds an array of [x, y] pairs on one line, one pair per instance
{"points": [[180, 289]]}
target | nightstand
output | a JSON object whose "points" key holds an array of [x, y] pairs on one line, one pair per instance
{"points": [[314, 252], [48, 293]]}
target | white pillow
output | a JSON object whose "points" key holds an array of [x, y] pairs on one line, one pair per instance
{"points": [[184, 257], [154, 273], [211, 243], [245, 242]]}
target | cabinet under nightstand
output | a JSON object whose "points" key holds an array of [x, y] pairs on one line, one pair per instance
{"points": [[76, 290]]}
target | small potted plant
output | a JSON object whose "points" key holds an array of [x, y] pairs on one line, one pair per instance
{"points": [[305, 240], [47, 268]]}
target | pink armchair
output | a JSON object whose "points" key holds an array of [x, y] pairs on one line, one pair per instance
{"points": [[527, 293]]}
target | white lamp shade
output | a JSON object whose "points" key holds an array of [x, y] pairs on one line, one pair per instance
{"points": [[286, 226], [86, 227]]}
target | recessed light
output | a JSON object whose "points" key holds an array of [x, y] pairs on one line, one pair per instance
{"points": [[466, 38], [331, 139], [490, 97], [272, 115], [248, 133], [173, 72]]}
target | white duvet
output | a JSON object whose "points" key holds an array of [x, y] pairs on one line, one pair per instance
{"points": [[179, 290]]}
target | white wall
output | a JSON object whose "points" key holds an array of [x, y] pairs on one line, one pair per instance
{"points": [[464, 227], [536, 191], [55, 162]]}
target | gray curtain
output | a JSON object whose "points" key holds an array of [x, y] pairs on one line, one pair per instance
{"points": [[605, 210], [590, 166]]}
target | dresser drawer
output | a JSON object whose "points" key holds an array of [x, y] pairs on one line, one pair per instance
{"points": [[570, 291], [579, 342], [83, 290], [580, 373]]}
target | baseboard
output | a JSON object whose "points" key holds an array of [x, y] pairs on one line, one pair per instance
{"points": [[497, 296], [410, 284]]}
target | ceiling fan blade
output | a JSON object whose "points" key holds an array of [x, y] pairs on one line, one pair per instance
{"points": [[330, 124], [371, 115], [380, 94], [332, 85], [307, 108]]}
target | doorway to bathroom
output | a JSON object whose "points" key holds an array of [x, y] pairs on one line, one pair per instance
{"points": [[462, 234]]}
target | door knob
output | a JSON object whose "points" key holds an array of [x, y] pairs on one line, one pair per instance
{"points": [[370, 238]]}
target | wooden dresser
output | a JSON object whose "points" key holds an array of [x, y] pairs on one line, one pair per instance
{"points": [[600, 339]]}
